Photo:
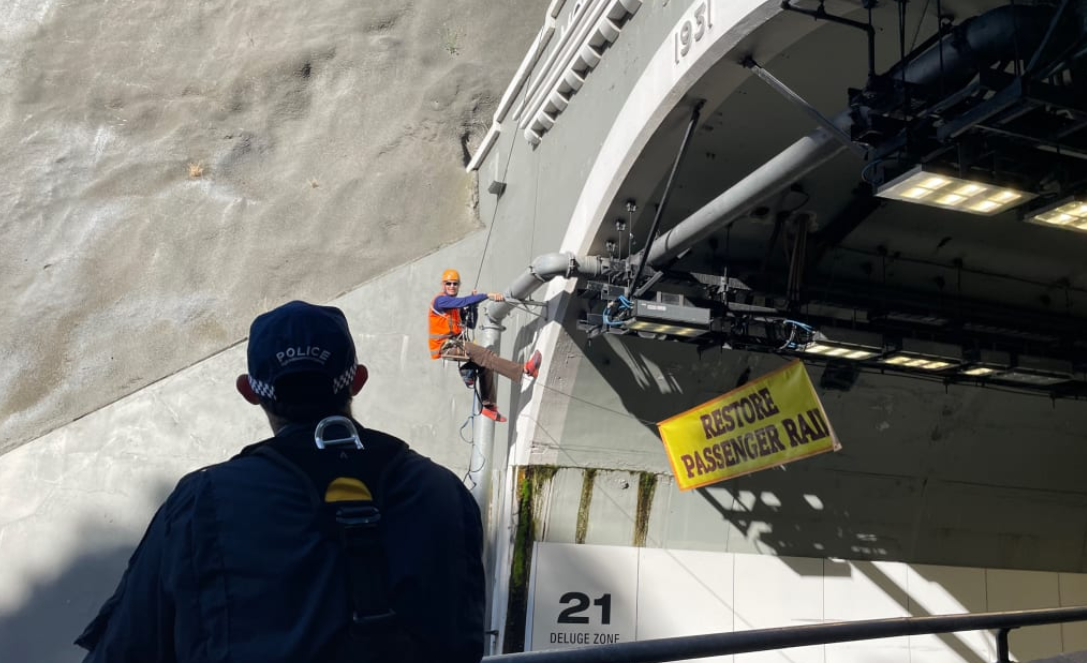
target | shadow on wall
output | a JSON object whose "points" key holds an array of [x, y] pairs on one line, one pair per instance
{"points": [[964, 645], [57, 609], [928, 474], [521, 349], [43, 629]]}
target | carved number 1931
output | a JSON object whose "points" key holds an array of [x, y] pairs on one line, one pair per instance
{"points": [[693, 29]]}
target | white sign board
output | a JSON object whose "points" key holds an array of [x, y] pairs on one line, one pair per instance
{"points": [[583, 595], [588, 596]]}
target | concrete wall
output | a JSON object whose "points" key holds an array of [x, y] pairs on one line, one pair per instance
{"points": [[172, 169]]}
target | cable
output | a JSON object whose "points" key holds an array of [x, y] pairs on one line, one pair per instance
{"points": [[624, 305], [920, 22], [807, 199], [793, 326], [626, 415], [469, 420], [521, 306], [494, 215], [867, 167]]}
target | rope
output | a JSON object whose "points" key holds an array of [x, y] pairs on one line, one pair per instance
{"points": [[477, 406], [626, 415], [477, 402], [521, 306], [490, 226], [921, 21]]}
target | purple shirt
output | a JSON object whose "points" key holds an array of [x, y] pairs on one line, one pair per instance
{"points": [[445, 302]]}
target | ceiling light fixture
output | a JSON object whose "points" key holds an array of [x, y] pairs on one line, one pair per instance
{"points": [[835, 343], [1069, 214], [671, 317], [924, 355], [908, 360], [985, 363], [838, 351], [662, 328], [1038, 371], [1032, 378], [924, 186]]}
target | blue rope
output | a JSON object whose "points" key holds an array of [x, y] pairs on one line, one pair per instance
{"points": [[790, 344], [624, 305]]}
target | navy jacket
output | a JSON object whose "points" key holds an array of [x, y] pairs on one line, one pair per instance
{"points": [[235, 568]]}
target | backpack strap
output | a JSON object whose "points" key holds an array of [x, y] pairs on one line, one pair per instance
{"points": [[347, 483]]}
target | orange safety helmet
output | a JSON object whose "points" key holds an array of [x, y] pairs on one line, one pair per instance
{"points": [[450, 275]]}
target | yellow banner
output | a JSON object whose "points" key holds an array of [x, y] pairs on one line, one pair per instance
{"points": [[767, 422]]}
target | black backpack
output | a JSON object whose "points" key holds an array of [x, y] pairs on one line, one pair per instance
{"points": [[346, 475]]}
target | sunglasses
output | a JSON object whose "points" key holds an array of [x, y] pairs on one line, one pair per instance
{"points": [[452, 282]]}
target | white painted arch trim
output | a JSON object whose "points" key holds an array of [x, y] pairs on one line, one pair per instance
{"points": [[579, 50], [662, 84]]}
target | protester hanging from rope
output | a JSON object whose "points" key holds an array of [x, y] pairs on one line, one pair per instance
{"points": [[450, 318]]}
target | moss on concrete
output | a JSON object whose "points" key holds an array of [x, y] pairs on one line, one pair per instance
{"points": [[588, 480], [647, 486], [530, 483]]}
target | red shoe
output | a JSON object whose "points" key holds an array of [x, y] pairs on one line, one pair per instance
{"points": [[532, 366], [493, 414]]}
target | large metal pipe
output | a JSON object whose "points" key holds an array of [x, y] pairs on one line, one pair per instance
{"points": [[1003, 33], [787, 167], [1007, 32], [543, 269]]}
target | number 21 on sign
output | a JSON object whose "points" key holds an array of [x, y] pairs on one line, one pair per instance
{"points": [[693, 29], [572, 615]]}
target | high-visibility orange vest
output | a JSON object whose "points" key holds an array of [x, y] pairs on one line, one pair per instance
{"points": [[444, 325]]}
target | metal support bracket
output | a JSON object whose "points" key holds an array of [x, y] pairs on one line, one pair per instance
{"points": [[1002, 650], [786, 92], [649, 283], [821, 14], [696, 112]]}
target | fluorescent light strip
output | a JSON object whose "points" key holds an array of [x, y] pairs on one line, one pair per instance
{"points": [[918, 362], [1071, 215], [980, 371], [840, 351], [955, 193], [660, 328]]}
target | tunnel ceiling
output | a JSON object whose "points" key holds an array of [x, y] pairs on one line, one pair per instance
{"points": [[947, 274]]}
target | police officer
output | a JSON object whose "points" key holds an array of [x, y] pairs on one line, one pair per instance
{"points": [[244, 562]]}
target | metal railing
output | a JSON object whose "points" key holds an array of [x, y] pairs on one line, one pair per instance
{"points": [[717, 644]]}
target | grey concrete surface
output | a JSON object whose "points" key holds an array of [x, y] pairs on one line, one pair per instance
{"points": [[169, 170]]}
